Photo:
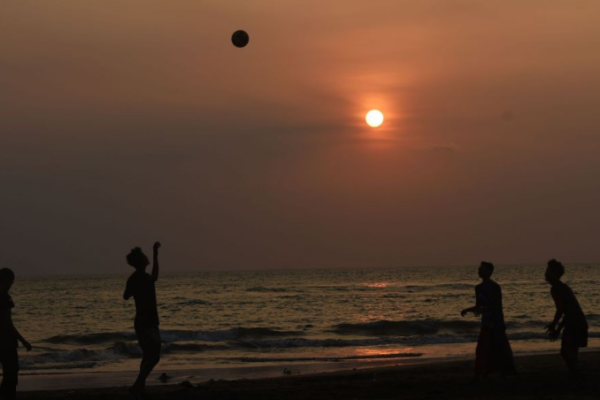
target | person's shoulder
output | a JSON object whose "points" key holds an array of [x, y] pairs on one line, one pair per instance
{"points": [[6, 301], [144, 277], [135, 277], [568, 289], [559, 288]]}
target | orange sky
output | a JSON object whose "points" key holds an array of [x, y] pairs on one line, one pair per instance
{"points": [[126, 122]]}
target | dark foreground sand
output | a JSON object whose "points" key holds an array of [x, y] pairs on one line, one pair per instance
{"points": [[541, 377]]}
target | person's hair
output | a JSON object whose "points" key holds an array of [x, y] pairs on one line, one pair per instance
{"points": [[135, 257], [6, 274], [556, 268], [487, 267]]}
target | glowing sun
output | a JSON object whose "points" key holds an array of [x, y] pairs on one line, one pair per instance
{"points": [[374, 118]]}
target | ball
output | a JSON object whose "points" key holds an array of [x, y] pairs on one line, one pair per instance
{"points": [[240, 39]]}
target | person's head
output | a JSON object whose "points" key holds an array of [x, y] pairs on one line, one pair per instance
{"points": [[486, 269], [7, 277], [137, 259], [554, 271]]}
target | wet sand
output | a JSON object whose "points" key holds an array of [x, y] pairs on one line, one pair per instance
{"points": [[540, 377]]}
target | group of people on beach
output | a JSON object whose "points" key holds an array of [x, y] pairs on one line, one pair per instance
{"points": [[493, 348]]}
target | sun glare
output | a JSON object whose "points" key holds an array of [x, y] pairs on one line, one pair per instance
{"points": [[374, 118]]}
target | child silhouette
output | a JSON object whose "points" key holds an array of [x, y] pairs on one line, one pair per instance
{"points": [[140, 286], [574, 326]]}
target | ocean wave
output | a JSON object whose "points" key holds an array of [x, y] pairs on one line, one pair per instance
{"points": [[406, 328], [261, 289], [194, 302], [540, 335], [381, 341], [393, 296], [191, 347], [441, 339], [225, 335], [41, 367], [89, 358], [593, 317], [175, 336], [91, 338], [438, 286], [120, 350], [293, 297]]}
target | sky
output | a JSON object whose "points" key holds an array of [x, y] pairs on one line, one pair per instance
{"points": [[126, 122]]}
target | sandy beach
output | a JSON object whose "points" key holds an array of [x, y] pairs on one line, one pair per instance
{"points": [[540, 377]]}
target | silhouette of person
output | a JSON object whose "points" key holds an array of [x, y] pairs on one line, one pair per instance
{"points": [[9, 338], [574, 325], [493, 348], [140, 286]]}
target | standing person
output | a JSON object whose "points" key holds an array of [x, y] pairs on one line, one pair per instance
{"points": [[574, 323], [140, 285], [493, 348], [9, 338]]}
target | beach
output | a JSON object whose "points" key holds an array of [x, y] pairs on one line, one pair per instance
{"points": [[540, 377]]}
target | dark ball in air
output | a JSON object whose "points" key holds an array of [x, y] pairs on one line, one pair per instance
{"points": [[240, 39]]}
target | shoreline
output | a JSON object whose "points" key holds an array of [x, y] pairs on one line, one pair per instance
{"points": [[544, 370], [58, 381]]}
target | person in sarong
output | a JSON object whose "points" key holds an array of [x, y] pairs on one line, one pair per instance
{"points": [[493, 351]]}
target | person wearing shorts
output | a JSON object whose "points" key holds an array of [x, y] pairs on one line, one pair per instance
{"points": [[568, 318], [141, 286]]}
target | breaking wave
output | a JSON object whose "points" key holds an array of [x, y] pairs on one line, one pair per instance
{"points": [[175, 336]]}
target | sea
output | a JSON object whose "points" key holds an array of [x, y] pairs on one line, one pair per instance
{"points": [[283, 319]]}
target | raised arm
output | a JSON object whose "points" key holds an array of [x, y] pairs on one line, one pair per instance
{"points": [[155, 261]]}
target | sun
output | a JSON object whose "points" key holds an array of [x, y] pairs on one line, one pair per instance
{"points": [[374, 118]]}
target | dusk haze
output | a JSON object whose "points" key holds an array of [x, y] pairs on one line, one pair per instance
{"points": [[364, 199], [121, 121]]}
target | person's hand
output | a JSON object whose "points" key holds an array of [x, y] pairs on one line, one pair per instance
{"points": [[553, 335], [27, 345], [552, 332], [156, 247]]}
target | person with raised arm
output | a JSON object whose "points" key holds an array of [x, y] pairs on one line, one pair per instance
{"points": [[141, 286]]}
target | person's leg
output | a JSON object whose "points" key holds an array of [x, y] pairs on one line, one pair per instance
{"points": [[507, 364], [483, 354], [10, 371], [149, 340], [569, 350], [571, 355], [149, 360]]}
